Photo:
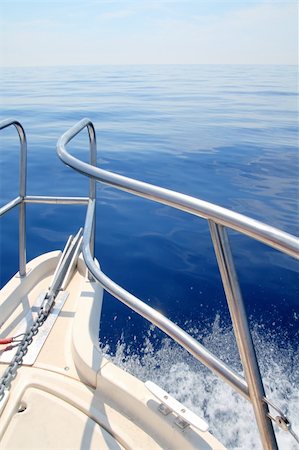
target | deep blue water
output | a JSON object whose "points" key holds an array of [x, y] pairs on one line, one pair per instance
{"points": [[226, 134]]}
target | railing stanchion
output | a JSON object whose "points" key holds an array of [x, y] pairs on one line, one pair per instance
{"points": [[22, 239], [242, 333], [22, 192], [22, 206], [92, 181]]}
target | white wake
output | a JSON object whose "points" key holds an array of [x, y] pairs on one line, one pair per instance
{"points": [[230, 416]]}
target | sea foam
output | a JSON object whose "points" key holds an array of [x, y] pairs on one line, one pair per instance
{"points": [[230, 416]]}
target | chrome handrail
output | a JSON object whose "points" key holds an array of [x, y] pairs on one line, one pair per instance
{"points": [[22, 192], [267, 234], [219, 218], [155, 317], [22, 198]]}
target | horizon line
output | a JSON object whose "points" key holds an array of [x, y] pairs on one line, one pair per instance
{"points": [[144, 64]]}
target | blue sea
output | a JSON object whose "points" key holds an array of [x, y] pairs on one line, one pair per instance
{"points": [[225, 134]]}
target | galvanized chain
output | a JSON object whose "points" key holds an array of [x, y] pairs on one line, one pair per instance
{"points": [[65, 267], [11, 370]]}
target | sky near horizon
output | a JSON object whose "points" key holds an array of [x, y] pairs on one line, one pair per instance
{"points": [[84, 32]]}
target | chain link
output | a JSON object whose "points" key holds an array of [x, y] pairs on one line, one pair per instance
{"points": [[11, 370], [65, 266]]}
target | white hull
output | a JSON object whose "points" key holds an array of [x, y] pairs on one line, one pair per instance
{"points": [[71, 396]]}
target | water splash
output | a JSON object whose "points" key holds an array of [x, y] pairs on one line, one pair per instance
{"points": [[229, 415]]}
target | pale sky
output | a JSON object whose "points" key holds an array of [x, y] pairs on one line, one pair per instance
{"points": [[81, 32]]}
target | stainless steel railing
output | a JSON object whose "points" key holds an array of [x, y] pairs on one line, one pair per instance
{"points": [[22, 198], [219, 219], [271, 236], [22, 192]]}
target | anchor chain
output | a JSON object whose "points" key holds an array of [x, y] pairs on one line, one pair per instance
{"points": [[61, 276], [11, 370]]}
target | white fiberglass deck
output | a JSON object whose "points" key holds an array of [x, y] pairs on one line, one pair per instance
{"points": [[70, 396]]}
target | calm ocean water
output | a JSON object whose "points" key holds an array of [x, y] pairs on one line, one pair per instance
{"points": [[226, 134]]}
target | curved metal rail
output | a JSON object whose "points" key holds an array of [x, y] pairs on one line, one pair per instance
{"points": [[267, 234], [218, 219], [22, 192], [22, 198]]}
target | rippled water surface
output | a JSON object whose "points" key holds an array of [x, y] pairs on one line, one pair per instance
{"points": [[225, 134]]}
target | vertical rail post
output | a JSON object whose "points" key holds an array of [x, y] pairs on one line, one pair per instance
{"points": [[92, 182], [22, 193], [242, 334]]}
